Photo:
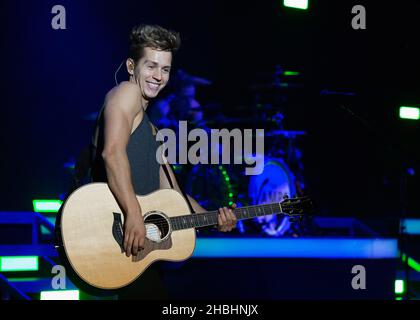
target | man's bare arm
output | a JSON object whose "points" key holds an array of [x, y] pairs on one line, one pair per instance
{"points": [[226, 219], [196, 206], [122, 106]]}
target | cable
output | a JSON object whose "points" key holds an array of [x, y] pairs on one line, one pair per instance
{"points": [[116, 72]]}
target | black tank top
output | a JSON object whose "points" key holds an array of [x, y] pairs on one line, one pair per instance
{"points": [[141, 152]]}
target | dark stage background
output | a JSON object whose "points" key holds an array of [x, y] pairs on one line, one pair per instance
{"points": [[53, 79]]}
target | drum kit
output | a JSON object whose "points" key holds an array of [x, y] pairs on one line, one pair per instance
{"points": [[216, 185], [220, 185]]}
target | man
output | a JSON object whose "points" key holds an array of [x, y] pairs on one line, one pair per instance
{"points": [[125, 138]]}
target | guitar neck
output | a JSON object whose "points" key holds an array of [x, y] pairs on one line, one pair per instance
{"points": [[210, 218]]}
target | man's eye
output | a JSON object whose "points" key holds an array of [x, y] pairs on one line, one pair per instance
{"points": [[150, 67]]}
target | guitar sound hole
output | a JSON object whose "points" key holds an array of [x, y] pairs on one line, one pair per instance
{"points": [[158, 226]]}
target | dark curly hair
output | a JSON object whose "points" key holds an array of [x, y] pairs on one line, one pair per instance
{"points": [[152, 36]]}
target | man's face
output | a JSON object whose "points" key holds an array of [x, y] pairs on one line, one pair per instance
{"points": [[152, 71]]}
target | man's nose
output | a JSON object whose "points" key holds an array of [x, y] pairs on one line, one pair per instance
{"points": [[157, 74]]}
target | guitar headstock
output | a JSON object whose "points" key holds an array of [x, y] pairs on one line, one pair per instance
{"points": [[296, 206]]}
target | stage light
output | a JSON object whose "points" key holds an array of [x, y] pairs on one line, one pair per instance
{"points": [[291, 73], [411, 263], [298, 4], [411, 226], [17, 263], [60, 295], [332, 248], [46, 205], [399, 286], [411, 113], [44, 230]]}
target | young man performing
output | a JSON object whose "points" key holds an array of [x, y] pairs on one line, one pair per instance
{"points": [[126, 144]]}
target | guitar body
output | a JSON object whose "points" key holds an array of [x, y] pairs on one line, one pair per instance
{"points": [[91, 233]]}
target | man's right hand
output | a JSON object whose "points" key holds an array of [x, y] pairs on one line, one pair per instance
{"points": [[134, 234]]}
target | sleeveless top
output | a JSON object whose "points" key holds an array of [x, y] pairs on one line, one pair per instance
{"points": [[141, 152]]}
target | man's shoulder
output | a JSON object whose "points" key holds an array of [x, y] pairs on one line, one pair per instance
{"points": [[123, 89], [126, 95]]}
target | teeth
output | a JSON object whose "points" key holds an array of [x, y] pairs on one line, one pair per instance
{"points": [[153, 85]]}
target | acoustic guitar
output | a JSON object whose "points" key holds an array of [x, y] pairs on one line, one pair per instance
{"points": [[90, 232]]}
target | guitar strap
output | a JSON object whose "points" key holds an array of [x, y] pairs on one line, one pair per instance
{"points": [[165, 168], [168, 176]]}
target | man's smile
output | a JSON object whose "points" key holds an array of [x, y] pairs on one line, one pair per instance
{"points": [[153, 85]]}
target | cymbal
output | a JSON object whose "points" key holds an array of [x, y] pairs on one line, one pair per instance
{"points": [[275, 86], [285, 133], [182, 77], [217, 120], [209, 107]]}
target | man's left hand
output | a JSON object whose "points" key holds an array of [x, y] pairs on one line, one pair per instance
{"points": [[226, 219]]}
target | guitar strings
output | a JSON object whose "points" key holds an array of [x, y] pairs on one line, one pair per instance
{"points": [[237, 210], [159, 222]]}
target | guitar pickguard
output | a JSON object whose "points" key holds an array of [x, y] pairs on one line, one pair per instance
{"points": [[156, 238], [117, 230], [150, 246]]}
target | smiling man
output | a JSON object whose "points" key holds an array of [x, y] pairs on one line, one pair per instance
{"points": [[125, 142]]}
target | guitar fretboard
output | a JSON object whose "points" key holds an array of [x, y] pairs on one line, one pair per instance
{"points": [[210, 218]]}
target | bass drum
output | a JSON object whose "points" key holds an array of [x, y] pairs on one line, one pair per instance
{"points": [[209, 185], [276, 181]]}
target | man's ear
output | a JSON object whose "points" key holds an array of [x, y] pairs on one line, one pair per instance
{"points": [[130, 66]]}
